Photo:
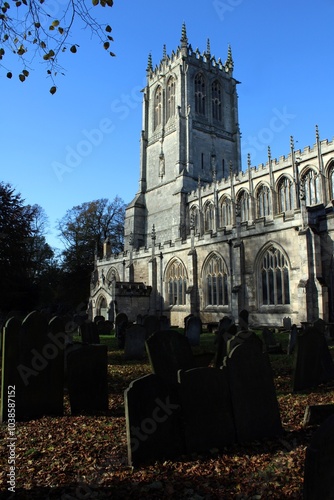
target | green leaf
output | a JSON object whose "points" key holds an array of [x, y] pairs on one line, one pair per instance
{"points": [[53, 90], [106, 45]]}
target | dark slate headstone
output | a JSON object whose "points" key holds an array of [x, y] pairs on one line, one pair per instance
{"points": [[168, 352], [151, 324], [121, 322], [292, 339], [10, 379], [271, 344], [223, 336], [135, 342], [243, 319], [254, 402], [206, 409], [87, 370], [164, 323], [89, 333], [242, 337], [313, 363], [98, 318], [319, 464], [193, 330], [153, 425], [104, 327]]}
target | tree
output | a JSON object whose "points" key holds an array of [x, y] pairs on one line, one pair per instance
{"points": [[30, 28], [83, 230], [16, 291]]}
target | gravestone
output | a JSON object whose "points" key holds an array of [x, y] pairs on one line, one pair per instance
{"points": [[319, 464], [225, 333], [287, 323], [254, 402], [164, 323], [193, 330], [151, 324], [104, 327], [243, 320], [98, 318], [35, 362], [271, 344], [206, 409], [153, 425], [10, 379], [87, 370], [242, 337], [121, 322], [169, 351], [317, 414], [135, 342], [89, 333], [313, 362], [292, 339]]}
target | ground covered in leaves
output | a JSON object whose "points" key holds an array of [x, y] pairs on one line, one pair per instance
{"points": [[85, 457]]}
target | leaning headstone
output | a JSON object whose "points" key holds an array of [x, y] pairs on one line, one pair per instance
{"points": [[193, 330], [271, 344], [151, 324], [168, 352], [135, 342], [317, 414], [87, 370], [292, 339], [121, 322], [206, 409], [313, 362], [319, 464], [254, 402], [153, 425]]}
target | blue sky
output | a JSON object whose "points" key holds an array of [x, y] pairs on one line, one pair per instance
{"points": [[283, 57]]}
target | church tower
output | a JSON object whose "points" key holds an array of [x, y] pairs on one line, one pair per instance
{"points": [[190, 134]]}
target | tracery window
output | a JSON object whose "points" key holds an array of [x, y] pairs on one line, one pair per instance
{"points": [[158, 107], [176, 283], [285, 195], [331, 181], [310, 187], [208, 217], [194, 218], [216, 101], [263, 201], [170, 111], [200, 92], [216, 282], [243, 206], [274, 278], [226, 212]]}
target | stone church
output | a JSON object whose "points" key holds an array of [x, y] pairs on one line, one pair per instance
{"points": [[203, 236]]}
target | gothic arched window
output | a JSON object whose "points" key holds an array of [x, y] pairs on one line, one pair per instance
{"points": [[225, 212], [274, 281], [310, 187], [158, 107], [215, 275], [200, 94], [216, 101], [285, 195], [263, 201], [331, 181], [170, 111], [194, 218], [208, 216], [243, 206], [176, 280]]}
